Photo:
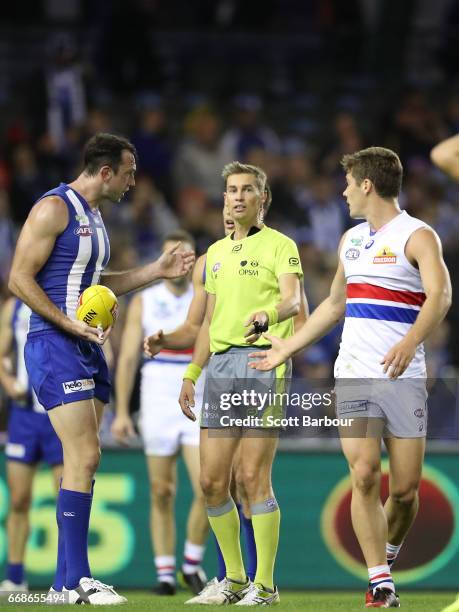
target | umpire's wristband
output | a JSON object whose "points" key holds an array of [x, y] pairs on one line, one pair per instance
{"points": [[193, 372], [273, 316]]}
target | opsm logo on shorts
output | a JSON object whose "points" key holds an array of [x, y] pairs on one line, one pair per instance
{"points": [[74, 386]]}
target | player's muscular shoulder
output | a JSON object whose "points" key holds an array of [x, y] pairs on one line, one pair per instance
{"points": [[49, 216], [423, 241]]}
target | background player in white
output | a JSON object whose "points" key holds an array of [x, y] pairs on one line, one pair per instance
{"points": [[63, 248], [446, 156], [393, 287], [31, 439], [184, 337], [164, 431]]}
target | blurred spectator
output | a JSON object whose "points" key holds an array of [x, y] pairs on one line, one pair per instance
{"points": [[201, 157], [327, 215], [7, 239], [28, 182], [66, 91], [153, 148], [346, 137], [417, 128], [147, 219], [424, 199], [437, 353], [193, 211], [452, 113], [247, 132]]}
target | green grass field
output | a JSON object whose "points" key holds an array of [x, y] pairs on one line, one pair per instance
{"points": [[296, 601]]}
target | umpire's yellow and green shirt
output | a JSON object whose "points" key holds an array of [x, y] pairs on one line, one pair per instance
{"points": [[244, 276]]}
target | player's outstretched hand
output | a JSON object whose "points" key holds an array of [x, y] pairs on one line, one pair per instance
{"points": [[399, 358], [258, 323], [86, 332], [174, 262], [186, 399], [270, 359], [153, 344], [123, 429]]}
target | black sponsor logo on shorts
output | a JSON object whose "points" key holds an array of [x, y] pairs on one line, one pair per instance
{"points": [[419, 412], [73, 386]]}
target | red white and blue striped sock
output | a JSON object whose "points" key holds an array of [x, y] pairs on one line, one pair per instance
{"points": [[392, 551], [165, 568], [380, 578], [192, 557]]}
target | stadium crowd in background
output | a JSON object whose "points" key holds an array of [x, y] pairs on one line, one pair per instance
{"points": [[187, 122]]}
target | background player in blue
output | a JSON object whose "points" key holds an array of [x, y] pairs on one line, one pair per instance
{"points": [[31, 438], [63, 249]]}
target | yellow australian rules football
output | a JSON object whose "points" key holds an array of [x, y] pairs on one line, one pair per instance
{"points": [[97, 306]]}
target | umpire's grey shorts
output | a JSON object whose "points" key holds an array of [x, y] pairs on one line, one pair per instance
{"points": [[393, 408], [234, 391]]}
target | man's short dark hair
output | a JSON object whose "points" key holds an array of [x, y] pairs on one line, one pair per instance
{"points": [[379, 165], [180, 235], [105, 150]]}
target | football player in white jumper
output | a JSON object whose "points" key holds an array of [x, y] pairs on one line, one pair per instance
{"points": [[393, 289]]}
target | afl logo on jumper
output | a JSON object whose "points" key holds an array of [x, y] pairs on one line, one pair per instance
{"points": [[385, 256], [216, 267], [352, 254], [83, 230]]}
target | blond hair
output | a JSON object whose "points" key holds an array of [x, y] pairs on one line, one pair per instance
{"points": [[236, 167]]}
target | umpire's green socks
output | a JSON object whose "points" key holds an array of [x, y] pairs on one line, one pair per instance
{"points": [[224, 520]]}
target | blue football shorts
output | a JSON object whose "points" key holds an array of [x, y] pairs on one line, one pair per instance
{"points": [[63, 369], [31, 437]]}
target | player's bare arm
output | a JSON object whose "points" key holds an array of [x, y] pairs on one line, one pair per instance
{"points": [[289, 306], [423, 250], [46, 221], [328, 314], [184, 336], [201, 356], [122, 427], [173, 262], [7, 380], [446, 156]]}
